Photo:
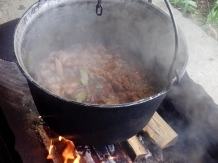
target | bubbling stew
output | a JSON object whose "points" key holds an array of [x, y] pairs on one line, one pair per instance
{"points": [[96, 75]]}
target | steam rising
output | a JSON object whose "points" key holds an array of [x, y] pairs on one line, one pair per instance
{"points": [[136, 26], [93, 74]]}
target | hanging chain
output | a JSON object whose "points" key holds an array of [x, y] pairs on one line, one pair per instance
{"points": [[99, 8]]}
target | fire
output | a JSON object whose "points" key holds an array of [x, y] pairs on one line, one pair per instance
{"points": [[49, 151], [111, 158], [69, 153], [77, 160]]}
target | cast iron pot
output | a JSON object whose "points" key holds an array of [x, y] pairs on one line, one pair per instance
{"points": [[140, 27]]}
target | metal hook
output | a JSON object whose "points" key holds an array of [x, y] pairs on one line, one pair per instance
{"points": [[99, 8]]}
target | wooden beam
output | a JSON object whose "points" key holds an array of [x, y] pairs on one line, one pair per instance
{"points": [[162, 134], [134, 148], [47, 142]]}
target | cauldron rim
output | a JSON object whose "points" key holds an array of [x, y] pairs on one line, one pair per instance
{"points": [[164, 91]]}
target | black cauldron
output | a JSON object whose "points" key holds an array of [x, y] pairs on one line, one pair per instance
{"points": [[51, 25]]}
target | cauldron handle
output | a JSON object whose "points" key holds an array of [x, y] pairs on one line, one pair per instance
{"points": [[178, 76], [42, 1]]}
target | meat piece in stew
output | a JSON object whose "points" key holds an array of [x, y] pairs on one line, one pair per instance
{"points": [[96, 75]]}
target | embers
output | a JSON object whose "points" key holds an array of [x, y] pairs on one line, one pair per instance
{"points": [[65, 151], [134, 149], [103, 153]]}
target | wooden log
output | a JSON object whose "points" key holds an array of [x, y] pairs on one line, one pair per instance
{"points": [[47, 142], [134, 148], [160, 132]]}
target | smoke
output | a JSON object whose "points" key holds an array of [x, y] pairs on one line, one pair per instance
{"points": [[199, 136], [136, 26]]}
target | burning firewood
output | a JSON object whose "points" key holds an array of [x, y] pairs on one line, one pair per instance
{"points": [[103, 154], [63, 150], [53, 154]]}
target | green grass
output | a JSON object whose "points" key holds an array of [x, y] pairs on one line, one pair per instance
{"points": [[212, 17], [186, 6], [189, 7]]}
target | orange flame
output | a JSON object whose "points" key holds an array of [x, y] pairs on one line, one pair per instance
{"points": [[49, 151], [111, 158], [77, 160], [69, 153]]}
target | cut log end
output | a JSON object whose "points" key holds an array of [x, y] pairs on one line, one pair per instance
{"points": [[134, 148], [160, 132]]}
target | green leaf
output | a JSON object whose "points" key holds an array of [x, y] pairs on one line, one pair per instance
{"points": [[192, 3], [81, 96], [84, 77], [186, 7]]}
